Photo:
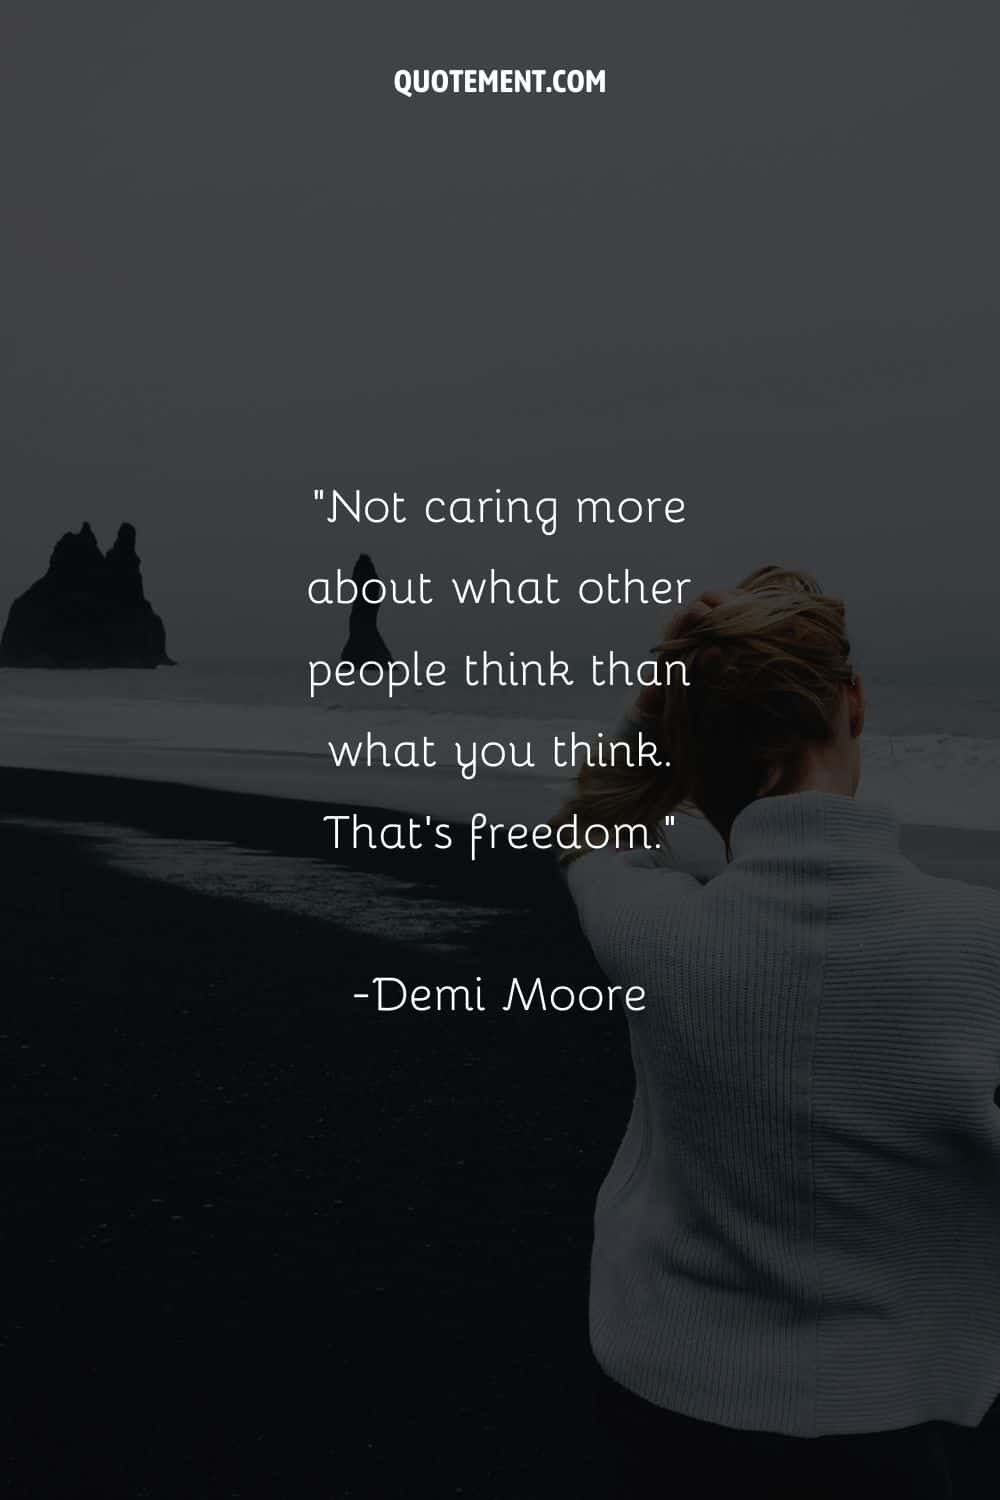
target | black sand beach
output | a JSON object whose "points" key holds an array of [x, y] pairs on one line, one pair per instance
{"points": [[262, 1239]]}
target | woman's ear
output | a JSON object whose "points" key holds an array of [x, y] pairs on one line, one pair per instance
{"points": [[856, 706]]}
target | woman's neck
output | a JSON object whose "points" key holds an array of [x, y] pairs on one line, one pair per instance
{"points": [[828, 771]]}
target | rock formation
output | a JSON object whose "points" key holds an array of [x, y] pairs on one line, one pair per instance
{"points": [[363, 640], [89, 610]]}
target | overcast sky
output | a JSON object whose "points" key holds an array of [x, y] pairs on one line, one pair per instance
{"points": [[759, 272]]}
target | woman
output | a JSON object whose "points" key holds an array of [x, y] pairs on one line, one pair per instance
{"points": [[795, 1284]]}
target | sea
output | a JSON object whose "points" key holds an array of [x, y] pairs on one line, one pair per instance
{"points": [[931, 748]]}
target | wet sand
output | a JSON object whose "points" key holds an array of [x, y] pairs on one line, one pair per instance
{"points": [[264, 1240]]}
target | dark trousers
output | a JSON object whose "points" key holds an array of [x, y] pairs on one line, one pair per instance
{"points": [[645, 1451]]}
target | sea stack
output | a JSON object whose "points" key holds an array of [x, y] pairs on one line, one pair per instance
{"points": [[363, 640], [89, 610]]}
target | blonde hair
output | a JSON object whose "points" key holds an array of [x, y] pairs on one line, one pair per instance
{"points": [[766, 672]]}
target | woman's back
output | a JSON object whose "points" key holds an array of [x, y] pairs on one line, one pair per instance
{"points": [[801, 1230]]}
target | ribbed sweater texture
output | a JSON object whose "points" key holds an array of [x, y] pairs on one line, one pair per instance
{"points": [[800, 1232]]}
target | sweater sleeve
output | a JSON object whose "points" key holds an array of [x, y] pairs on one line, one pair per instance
{"points": [[613, 891]]}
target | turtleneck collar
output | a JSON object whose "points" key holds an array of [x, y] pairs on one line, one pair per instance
{"points": [[773, 824]]}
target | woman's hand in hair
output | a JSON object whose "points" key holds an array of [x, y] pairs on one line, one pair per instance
{"points": [[688, 615], [648, 706]]}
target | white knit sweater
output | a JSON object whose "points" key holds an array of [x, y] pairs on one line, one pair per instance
{"points": [[800, 1232]]}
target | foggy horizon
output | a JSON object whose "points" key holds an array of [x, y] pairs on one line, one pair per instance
{"points": [[793, 329]]}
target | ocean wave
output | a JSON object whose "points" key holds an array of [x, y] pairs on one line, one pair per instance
{"points": [[938, 778], [951, 780], [377, 906]]}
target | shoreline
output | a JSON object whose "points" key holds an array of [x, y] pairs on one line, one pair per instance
{"points": [[253, 818], [245, 743], [234, 1186]]}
